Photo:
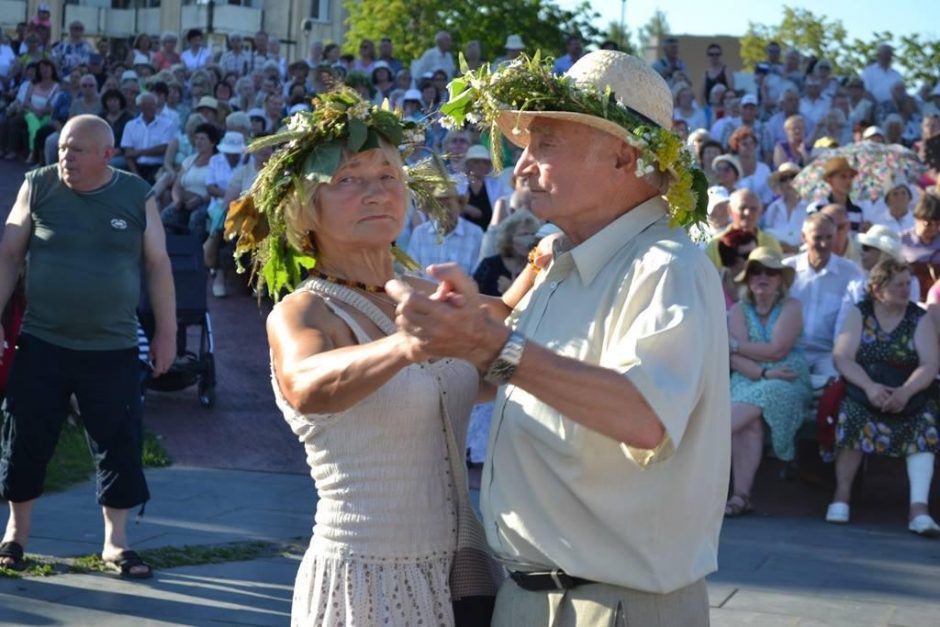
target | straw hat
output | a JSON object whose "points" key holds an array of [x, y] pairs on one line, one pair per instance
{"points": [[634, 83], [768, 258], [836, 165], [882, 238], [478, 151], [233, 143], [787, 168], [208, 102]]}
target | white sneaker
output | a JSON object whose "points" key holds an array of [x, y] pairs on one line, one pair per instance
{"points": [[838, 513], [924, 525], [218, 284]]}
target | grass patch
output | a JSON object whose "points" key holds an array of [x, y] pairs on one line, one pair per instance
{"points": [[35, 567], [72, 462], [189, 555]]}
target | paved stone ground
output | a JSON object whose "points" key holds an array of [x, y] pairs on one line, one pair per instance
{"points": [[240, 475]]}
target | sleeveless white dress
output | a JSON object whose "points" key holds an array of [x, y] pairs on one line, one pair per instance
{"points": [[385, 529]]}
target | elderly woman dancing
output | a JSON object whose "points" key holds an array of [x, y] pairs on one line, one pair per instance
{"points": [[887, 352], [770, 377], [395, 541]]}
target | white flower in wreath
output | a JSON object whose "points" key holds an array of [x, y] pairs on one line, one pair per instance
{"points": [[359, 111], [299, 123]]}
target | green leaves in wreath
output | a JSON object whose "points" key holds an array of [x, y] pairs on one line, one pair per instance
{"points": [[323, 161], [700, 188], [284, 267]]}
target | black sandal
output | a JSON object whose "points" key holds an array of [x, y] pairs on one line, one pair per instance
{"points": [[124, 564], [738, 505], [14, 552]]}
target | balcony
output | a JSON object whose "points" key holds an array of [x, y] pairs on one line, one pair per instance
{"points": [[12, 12]]}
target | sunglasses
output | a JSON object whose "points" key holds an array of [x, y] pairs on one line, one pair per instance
{"points": [[867, 249], [714, 54], [758, 270]]}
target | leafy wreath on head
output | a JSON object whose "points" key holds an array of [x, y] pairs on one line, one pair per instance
{"points": [[481, 97], [311, 148]]}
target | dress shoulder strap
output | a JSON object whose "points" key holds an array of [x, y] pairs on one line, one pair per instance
{"points": [[355, 300]]}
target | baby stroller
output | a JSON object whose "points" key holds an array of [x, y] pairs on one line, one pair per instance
{"points": [[191, 367]]}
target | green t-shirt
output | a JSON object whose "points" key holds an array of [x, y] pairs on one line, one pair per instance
{"points": [[85, 256]]}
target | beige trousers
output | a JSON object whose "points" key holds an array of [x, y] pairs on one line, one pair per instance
{"points": [[601, 605]]}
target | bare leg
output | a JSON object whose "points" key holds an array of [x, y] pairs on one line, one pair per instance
{"points": [[18, 525], [115, 535], [747, 444], [847, 463]]}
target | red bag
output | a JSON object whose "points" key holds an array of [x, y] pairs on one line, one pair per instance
{"points": [[827, 414]]}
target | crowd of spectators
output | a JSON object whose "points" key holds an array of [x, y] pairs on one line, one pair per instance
{"points": [[183, 113]]}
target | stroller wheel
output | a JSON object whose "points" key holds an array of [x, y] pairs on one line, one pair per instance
{"points": [[207, 396]]}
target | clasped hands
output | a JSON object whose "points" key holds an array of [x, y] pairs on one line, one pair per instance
{"points": [[451, 322], [887, 399]]}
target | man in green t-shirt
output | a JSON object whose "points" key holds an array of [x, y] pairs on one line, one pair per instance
{"points": [[89, 230]]}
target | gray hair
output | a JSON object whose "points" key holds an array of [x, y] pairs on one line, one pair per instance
{"points": [[144, 96], [169, 36], [817, 218]]}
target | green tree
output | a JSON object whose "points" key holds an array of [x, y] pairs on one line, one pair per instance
{"points": [[620, 35], [412, 24], [655, 30], [917, 58]]}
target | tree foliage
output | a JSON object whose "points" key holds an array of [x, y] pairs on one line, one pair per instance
{"points": [[621, 36], [412, 24], [817, 35], [655, 30]]}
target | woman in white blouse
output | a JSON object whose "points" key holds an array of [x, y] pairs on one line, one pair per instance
{"points": [[784, 216], [754, 173]]}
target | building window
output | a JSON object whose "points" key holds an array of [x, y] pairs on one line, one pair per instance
{"points": [[320, 10]]}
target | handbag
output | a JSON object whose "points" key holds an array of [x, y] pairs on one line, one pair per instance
{"points": [[893, 376]]}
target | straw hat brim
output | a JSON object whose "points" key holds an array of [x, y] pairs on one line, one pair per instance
{"points": [[788, 273], [515, 124]]}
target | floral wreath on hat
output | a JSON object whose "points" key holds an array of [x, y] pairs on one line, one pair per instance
{"points": [[311, 148], [528, 84]]}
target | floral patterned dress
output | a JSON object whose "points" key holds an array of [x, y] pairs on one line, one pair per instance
{"points": [[783, 403], [869, 430]]}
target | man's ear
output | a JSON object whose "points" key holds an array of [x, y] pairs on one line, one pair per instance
{"points": [[626, 157]]}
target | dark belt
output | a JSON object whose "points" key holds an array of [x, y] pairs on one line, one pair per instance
{"points": [[547, 580]]}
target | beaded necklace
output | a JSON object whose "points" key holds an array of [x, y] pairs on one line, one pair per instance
{"points": [[380, 289]]}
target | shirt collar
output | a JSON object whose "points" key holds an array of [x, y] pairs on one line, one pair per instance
{"points": [[831, 267], [457, 230], [592, 254]]}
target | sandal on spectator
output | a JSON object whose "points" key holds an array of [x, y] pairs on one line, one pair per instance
{"points": [[838, 513], [12, 551], [738, 505], [924, 525], [126, 563]]}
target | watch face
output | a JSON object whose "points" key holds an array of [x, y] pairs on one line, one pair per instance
{"points": [[501, 371]]}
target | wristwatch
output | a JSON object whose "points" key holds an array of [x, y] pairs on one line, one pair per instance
{"points": [[734, 345], [504, 366]]}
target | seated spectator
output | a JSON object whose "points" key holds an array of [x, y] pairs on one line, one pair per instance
{"points": [[839, 174], [189, 192], [769, 375], [754, 173], [221, 168], [873, 134], [878, 243], [515, 237], [707, 152], [114, 111], [930, 127], [457, 242], [820, 283], [38, 104], [479, 187], [845, 243], [894, 209], [887, 352], [145, 139], [454, 148], [727, 171], [717, 217], [196, 55], [784, 217], [695, 140], [685, 107], [734, 248], [208, 107], [141, 51], [745, 211], [382, 81], [794, 148], [920, 244], [167, 56]]}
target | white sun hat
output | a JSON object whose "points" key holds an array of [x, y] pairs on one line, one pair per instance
{"points": [[882, 238], [514, 42], [233, 143], [477, 151], [634, 83]]}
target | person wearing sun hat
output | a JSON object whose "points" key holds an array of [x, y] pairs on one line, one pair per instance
{"points": [[839, 174], [894, 209], [625, 293], [770, 381]]}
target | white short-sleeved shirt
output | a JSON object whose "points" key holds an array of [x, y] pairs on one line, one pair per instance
{"points": [[195, 60], [879, 81], [821, 295], [786, 227], [638, 298], [140, 135], [193, 177], [220, 172]]}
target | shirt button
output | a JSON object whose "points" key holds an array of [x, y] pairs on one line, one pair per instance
{"points": [[553, 284]]}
